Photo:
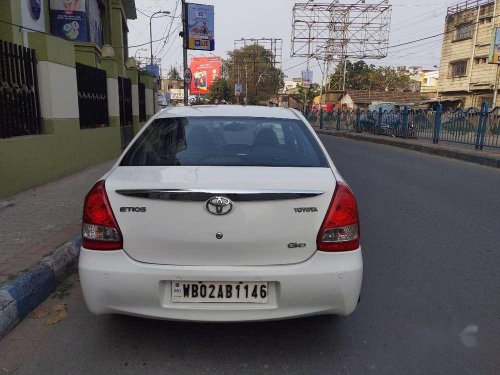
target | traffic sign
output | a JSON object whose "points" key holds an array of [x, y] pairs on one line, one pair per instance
{"points": [[188, 76]]}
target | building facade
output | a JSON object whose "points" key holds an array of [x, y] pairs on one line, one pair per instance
{"points": [[466, 76], [70, 96], [429, 80]]}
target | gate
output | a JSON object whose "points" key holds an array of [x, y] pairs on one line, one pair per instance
{"points": [[19, 99], [92, 96], [126, 117]]}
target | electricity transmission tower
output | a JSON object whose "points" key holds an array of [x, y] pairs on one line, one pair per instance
{"points": [[335, 32], [251, 56]]}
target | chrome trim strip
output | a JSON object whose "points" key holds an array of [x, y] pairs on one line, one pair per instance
{"points": [[201, 195]]}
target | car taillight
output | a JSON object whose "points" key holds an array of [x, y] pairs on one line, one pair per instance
{"points": [[100, 230], [340, 228]]}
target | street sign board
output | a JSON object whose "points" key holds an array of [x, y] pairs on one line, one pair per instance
{"points": [[238, 89], [188, 76], [307, 76], [153, 69], [200, 27]]}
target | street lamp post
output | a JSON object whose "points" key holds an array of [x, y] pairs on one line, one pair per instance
{"points": [[151, 32], [138, 50]]}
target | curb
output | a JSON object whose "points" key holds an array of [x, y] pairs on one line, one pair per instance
{"points": [[21, 295], [486, 160]]}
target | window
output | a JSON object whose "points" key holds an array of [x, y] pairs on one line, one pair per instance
{"points": [[226, 141], [464, 31], [458, 68]]}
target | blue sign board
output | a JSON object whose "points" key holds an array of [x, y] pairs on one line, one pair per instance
{"points": [[153, 69], [69, 20]]}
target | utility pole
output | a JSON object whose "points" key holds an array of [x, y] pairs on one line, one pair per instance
{"points": [[184, 49]]}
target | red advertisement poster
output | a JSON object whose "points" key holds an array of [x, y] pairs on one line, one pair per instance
{"points": [[205, 71]]}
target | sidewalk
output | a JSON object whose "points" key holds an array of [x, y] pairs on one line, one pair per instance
{"points": [[35, 222], [489, 157]]}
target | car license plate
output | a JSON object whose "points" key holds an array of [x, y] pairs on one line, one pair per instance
{"points": [[219, 291]]}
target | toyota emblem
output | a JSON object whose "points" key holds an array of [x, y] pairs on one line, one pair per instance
{"points": [[219, 205]]}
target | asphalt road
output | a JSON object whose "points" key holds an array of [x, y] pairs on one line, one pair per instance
{"points": [[431, 242]]}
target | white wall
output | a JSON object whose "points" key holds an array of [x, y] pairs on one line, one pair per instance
{"points": [[29, 21], [113, 98], [58, 90]]}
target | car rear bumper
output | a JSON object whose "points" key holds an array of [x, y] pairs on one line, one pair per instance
{"points": [[327, 283]]}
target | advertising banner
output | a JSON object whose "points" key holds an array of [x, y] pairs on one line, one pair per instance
{"points": [[200, 27], [205, 71], [495, 47], [68, 19], [177, 94], [95, 22]]}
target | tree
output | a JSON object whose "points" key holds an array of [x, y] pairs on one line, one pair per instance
{"points": [[220, 91], [173, 74], [307, 95], [252, 67], [361, 76]]}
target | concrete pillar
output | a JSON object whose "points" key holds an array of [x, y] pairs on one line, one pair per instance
{"points": [[56, 79], [111, 68]]}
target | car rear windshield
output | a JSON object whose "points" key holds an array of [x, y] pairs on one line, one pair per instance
{"points": [[225, 141]]}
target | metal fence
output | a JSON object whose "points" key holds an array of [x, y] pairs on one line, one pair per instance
{"points": [[92, 96], [479, 128], [19, 98], [142, 101], [126, 114]]}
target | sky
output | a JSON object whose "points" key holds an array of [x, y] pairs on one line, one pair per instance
{"points": [[235, 19]]}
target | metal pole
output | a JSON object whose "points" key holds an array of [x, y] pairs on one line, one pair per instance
{"points": [[495, 87], [151, 39], [184, 48]]}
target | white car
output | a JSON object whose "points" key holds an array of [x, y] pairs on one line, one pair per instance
{"points": [[222, 213]]}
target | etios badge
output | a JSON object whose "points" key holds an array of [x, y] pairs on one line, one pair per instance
{"points": [[219, 205]]}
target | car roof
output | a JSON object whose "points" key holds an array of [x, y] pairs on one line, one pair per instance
{"points": [[228, 110]]}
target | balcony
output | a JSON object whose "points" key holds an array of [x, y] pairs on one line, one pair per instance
{"points": [[466, 5]]}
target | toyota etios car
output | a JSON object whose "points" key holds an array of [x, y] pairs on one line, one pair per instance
{"points": [[222, 213]]}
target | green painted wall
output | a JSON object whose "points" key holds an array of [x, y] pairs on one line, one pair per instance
{"points": [[33, 160], [10, 12]]}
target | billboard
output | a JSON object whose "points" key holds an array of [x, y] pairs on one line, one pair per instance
{"points": [[205, 71], [495, 46], [200, 27], [68, 19], [177, 94]]}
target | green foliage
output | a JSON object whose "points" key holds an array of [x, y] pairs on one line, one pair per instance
{"points": [[306, 95], [252, 66], [361, 76], [220, 91], [173, 73]]}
